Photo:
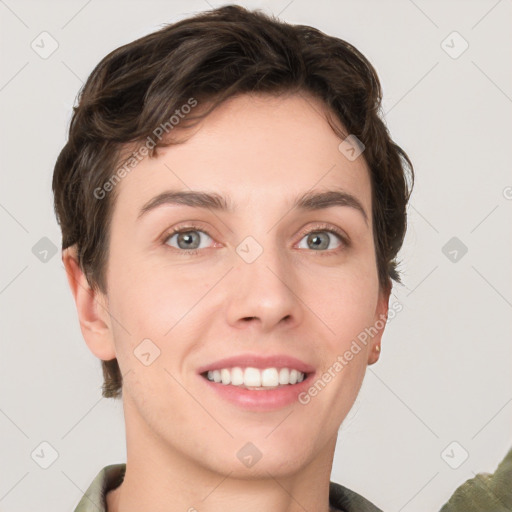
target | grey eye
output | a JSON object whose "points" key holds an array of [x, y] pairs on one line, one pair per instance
{"points": [[188, 239], [319, 240]]}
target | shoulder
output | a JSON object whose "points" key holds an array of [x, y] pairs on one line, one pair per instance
{"points": [[107, 479], [485, 491], [346, 500]]}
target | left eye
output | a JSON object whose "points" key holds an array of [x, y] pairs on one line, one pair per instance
{"points": [[320, 239]]}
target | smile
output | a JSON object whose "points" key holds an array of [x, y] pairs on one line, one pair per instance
{"points": [[255, 378]]}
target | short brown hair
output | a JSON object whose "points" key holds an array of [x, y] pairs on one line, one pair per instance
{"points": [[212, 56]]}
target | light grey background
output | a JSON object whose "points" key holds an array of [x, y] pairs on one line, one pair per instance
{"points": [[445, 370]]}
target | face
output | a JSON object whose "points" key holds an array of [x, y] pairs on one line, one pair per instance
{"points": [[261, 279]]}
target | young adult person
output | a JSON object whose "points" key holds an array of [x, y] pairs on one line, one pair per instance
{"points": [[231, 206]]}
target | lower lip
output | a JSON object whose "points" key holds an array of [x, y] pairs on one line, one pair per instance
{"points": [[260, 400]]}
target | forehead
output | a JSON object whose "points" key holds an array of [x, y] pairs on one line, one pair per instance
{"points": [[255, 149]]}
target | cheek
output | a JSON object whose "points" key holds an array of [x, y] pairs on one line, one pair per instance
{"points": [[151, 301], [152, 309], [347, 303]]}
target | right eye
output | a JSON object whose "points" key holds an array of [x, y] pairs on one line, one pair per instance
{"points": [[187, 239]]}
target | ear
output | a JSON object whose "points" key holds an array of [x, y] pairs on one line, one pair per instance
{"points": [[379, 322], [92, 308]]}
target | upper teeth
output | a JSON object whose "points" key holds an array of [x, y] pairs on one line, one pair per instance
{"points": [[254, 377]]}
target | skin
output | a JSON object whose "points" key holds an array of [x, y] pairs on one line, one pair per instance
{"points": [[310, 303]]}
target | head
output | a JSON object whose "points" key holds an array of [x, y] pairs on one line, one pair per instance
{"points": [[257, 112]]}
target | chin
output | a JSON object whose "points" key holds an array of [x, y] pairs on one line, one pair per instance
{"points": [[258, 458]]}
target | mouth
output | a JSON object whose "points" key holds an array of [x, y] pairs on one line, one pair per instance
{"points": [[256, 382], [256, 379]]}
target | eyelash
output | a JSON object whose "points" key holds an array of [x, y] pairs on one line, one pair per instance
{"points": [[320, 228]]}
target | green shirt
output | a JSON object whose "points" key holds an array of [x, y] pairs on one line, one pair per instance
{"points": [[483, 493]]}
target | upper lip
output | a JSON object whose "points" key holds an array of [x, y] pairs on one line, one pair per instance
{"points": [[257, 361]]}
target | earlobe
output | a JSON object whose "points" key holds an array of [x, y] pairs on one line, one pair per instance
{"points": [[91, 307], [381, 317]]}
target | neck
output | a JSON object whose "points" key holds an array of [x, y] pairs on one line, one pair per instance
{"points": [[162, 478]]}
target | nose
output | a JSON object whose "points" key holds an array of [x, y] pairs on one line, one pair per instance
{"points": [[265, 293]]}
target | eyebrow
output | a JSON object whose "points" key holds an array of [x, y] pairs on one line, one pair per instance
{"points": [[310, 201]]}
